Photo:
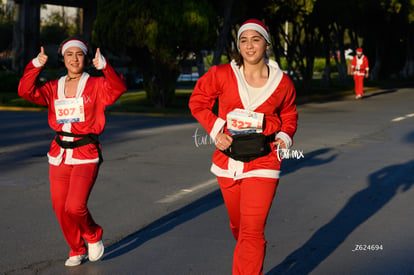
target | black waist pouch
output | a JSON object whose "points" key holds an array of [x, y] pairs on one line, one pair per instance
{"points": [[247, 147]]}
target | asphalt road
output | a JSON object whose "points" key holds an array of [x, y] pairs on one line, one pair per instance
{"points": [[343, 206]]}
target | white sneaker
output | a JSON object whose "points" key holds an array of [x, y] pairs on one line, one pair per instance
{"points": [[75, 260], [95, 251]]}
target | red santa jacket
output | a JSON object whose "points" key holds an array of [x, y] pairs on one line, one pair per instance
{"points": [[359, 65], [226, 82], [97, 93]]}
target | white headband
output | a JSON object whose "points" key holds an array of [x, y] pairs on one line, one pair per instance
{"points": [[75, 43], [255, 27]]}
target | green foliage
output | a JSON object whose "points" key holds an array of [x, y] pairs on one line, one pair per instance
{"points": [[51, 33], [136, 101], [157, 35], [56, 28], [318, 65], [410, 11], [208, 60], [165, 28], [302, 37]]}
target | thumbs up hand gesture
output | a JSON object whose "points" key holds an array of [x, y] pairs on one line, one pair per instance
{"points": [[99, 61], [42, 57]]}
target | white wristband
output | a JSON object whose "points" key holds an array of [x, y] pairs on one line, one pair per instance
{"points": [[36, 63], [286, 139], [101, 62]]}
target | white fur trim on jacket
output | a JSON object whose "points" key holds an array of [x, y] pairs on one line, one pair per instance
{"points": [[217, 128], [276, 75], [286, 139], [36, 63], [261, 173], [101, 62]]}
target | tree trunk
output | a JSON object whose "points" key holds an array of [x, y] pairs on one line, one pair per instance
{"points": [[375, 74], [326, 76], [341, 63], [221, 42], [408, 70], [200, 63], [160, 84]]}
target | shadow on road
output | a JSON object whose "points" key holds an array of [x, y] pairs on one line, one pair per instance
{"points": [[311, 159], [381, 92], [164, 224], [191, 211], [383, 186], [27, 136]]}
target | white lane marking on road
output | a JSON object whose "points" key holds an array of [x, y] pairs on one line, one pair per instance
{"points": [[398, 118], [402, 117], [184, 192]]}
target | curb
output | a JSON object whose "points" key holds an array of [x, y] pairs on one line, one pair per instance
{"points": [[32, 109]]}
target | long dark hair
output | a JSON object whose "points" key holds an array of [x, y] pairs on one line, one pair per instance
{"points": [[237, 57]]}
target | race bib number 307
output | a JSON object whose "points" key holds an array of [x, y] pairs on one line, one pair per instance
{"points": [[69, 110]]}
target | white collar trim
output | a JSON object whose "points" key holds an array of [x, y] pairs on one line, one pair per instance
{"points": [[275, 77], [79, 91]]}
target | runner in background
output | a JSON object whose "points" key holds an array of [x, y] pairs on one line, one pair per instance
{"points": [[360, 70]]}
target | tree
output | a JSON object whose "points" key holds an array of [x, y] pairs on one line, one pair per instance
{"points": [[379, 26], [386, 34], [231, 14], [225, 30], [335, 20], [6, 27], [57, 27], [408, 69], [302, 39], [157, 35]]}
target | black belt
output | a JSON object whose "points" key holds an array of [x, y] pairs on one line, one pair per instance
{"points": [[84, 140], [270, 138]]}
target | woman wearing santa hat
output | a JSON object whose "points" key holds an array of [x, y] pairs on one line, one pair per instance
{"points": [[360, 70], [76, 103], [256, 119]]}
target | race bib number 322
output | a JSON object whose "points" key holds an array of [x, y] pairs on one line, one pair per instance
{"points": [[242, 121], [69, 110]]}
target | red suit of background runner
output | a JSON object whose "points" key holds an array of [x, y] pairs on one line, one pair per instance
{"points": [[360, 70]]}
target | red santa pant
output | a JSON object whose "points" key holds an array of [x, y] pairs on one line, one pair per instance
{"points": [[70, 187], [248, 202], [359, 84]]}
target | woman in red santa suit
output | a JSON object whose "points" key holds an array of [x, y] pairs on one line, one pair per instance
{"points": [[360, 70], [256, 118], [76, 103]]}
